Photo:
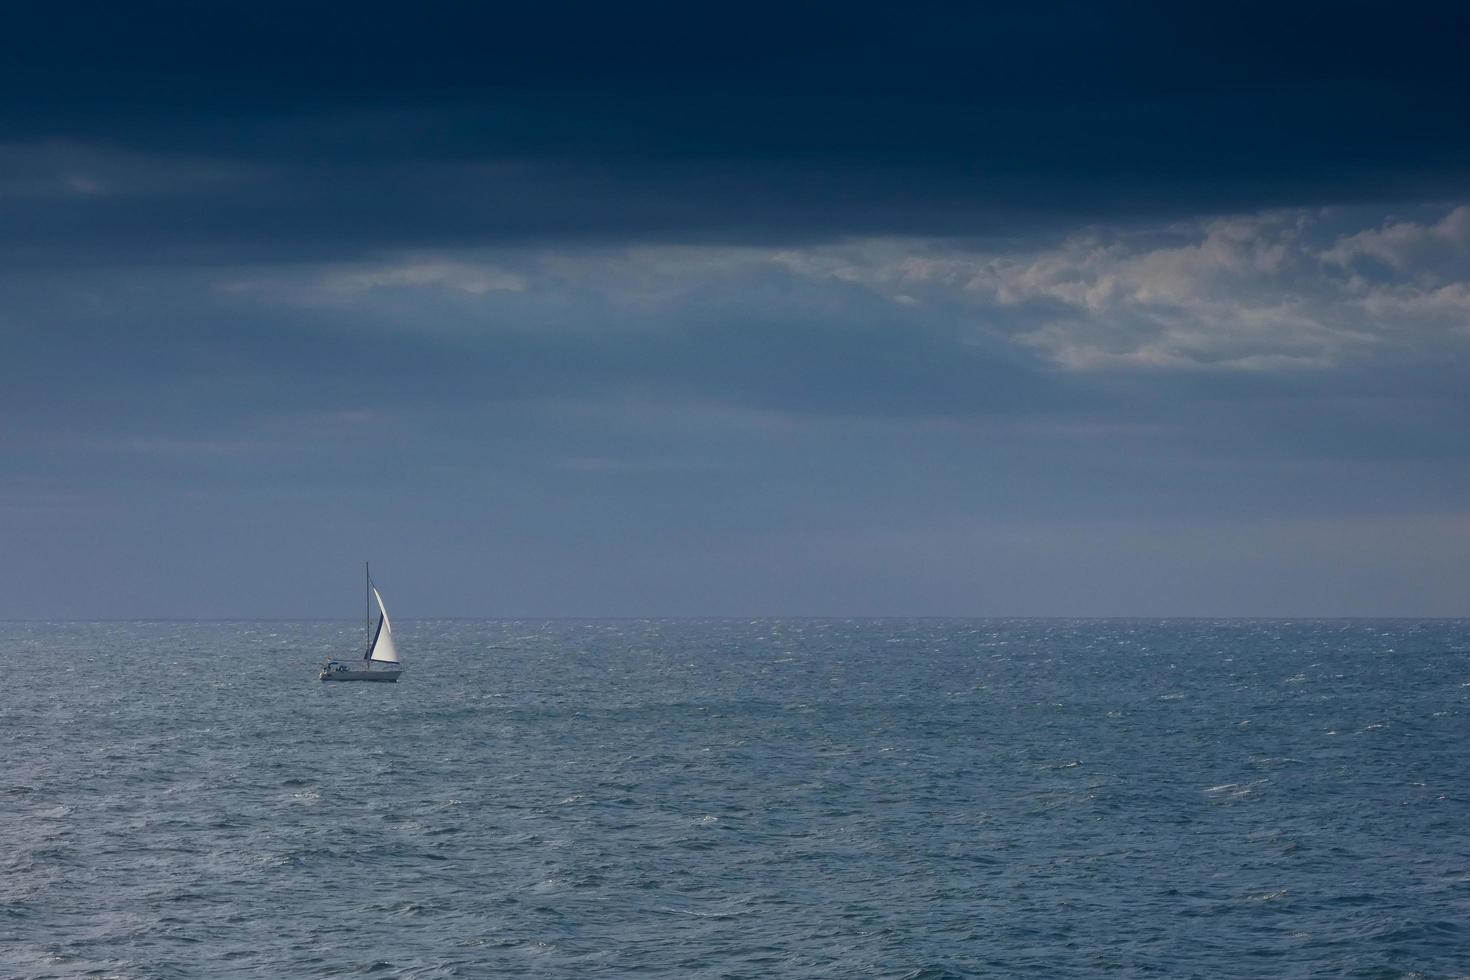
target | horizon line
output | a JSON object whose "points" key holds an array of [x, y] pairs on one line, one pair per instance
{"points": [[1129, 617]]}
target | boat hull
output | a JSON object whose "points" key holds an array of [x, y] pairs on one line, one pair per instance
{"points": [[360, 674]]}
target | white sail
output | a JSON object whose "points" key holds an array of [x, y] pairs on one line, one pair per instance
{"points": [[383, 650]]}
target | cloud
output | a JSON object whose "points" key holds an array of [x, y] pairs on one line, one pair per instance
{"points": [[227, 133], [355, 284], [1450, 303], [1265, 292], [1226, 294], [424, 273], [1407, 245], [1259, 292]]}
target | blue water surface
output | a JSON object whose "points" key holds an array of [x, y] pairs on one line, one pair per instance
{"points": [[718, 798]]}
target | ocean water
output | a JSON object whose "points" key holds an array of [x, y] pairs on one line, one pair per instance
{"points": [[681, 798]]}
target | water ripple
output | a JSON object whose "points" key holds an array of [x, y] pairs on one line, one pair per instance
{"points": [[907, 799]]}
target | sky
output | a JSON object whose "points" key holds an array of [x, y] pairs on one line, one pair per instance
{"points": [[1006, 309]]}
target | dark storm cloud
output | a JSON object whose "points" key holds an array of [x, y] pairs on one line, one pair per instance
{"points": [[395, 125]]}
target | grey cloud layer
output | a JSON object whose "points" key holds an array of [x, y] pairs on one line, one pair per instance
{"points": [[1280, 290]]}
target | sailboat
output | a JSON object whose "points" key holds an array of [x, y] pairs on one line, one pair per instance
{"points": [[381, 661]]}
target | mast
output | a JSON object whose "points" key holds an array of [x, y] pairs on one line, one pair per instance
{"points": [[367, 608]]}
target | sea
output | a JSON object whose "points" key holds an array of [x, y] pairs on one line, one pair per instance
{"points": [[922, 799]]}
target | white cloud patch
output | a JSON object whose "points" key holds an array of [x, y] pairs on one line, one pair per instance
{"points": [[1407, 245], [1282, 289]]}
